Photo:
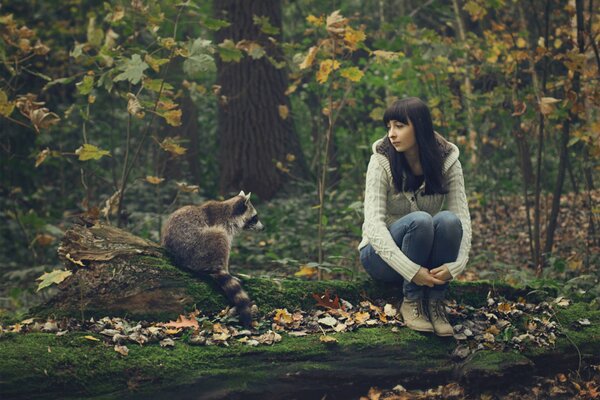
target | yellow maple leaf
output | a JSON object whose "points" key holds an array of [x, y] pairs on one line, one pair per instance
{"points": [[283, 111], [353, 37], [56, 276], [306, 271], [352, 74], [316, 21], [327, 339], [361, 317], [41, 157], [155, 180], [6, 107], [170, 144], [91, 152], [173, 117], [325, 69], [504, 308], [310, 57], [283, 317]]}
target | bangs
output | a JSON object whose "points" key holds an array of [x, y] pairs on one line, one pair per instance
{"points": [[396, 112]]}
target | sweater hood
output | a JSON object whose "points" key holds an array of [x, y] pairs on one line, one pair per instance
{"points": [[450, 151]]}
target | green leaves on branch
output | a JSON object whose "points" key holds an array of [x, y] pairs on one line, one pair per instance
{"points": [[95, 35], [155, 63], [229, 52], [90, 152], [265, 25], [133, 70], [200, 58], [86, 85], [6, 107], [352, 74], [49, 278], [216, 24]]}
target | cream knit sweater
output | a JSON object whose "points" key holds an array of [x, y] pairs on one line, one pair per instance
{"points": [[384, 205]]}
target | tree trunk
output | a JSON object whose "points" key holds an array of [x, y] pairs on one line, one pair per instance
{"points": [[468, 91], [572, 119], [253, 136]]}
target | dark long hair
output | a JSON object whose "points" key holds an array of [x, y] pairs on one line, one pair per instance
{"points": [[431, 150]]}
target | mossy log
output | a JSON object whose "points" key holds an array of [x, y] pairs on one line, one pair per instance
{"points": [[119, 274], [137, 280], [46, 366]]}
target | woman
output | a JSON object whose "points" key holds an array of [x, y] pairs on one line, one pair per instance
{"points": [[406, 237]]}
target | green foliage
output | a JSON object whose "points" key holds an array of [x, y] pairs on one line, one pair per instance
{"points": [[125, 77]]}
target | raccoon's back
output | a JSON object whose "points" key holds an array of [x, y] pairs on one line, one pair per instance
{"points": [[192, 244]]}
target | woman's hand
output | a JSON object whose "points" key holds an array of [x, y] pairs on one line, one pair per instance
{"points": [[442, 273], [424, 278]]}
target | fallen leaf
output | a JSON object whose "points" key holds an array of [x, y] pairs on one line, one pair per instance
{"points": [[168, 342], [54, 277], [182, 322], [122, 350], [283, 317], [328, 321], [327, 339], [90, 337], [306, 271], [389, 310]]}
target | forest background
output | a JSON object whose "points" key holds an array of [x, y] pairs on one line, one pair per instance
{"points": [[124, 111]]}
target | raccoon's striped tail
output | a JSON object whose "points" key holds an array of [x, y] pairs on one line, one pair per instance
{"points": [[236, 294]]}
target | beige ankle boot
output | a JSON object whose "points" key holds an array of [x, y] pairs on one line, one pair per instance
{"points": [[439, 320], [414, 315]]}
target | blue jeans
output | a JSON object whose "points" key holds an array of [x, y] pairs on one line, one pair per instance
{"points": [[425, 240]]}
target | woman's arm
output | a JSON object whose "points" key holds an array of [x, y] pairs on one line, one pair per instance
{"points": [[456, 202], [375, 228]]}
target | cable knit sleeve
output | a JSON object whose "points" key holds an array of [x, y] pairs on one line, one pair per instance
{"points": [[456, 202], [375, 228]]}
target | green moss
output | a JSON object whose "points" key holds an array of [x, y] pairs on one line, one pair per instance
{"points": [[76, 365], [493, 361]]}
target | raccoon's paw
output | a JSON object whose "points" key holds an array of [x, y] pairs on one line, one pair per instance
{"points": [[254, 310]]}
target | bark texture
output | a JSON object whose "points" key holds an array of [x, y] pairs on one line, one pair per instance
{"points": [[253, 136]]}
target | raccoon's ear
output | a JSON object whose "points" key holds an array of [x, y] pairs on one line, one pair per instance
{"points": [[242, 193], [240, 207], [248, 197]]}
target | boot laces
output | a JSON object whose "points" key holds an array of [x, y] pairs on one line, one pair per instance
{"points": [[416, 308], [439, 310]]}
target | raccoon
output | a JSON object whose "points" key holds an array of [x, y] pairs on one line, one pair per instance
{"points": [[199, 237]]}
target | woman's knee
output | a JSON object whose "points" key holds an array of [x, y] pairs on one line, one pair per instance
{"points": [[421, 219], [447, 222]]}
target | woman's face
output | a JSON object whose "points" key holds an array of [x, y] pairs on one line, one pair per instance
{"points": [[402, 136]]}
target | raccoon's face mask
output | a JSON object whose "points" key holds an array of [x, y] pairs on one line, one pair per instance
{"points": [[247, 213]]}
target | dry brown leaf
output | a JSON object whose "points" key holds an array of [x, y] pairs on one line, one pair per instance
{"points": [[182, 322]]}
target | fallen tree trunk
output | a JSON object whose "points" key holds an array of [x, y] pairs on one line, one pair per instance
{"points": [[47, 366], [119, 274], [125, 275]]}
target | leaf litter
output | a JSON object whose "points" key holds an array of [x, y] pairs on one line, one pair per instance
{"points": [[584, 384], [499, 325]]}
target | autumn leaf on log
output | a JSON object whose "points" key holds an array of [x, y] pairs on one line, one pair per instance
{"points": [[306, 271], [183, 322], [326, 302], [283, 317], [56, 276], [327, 339]]}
